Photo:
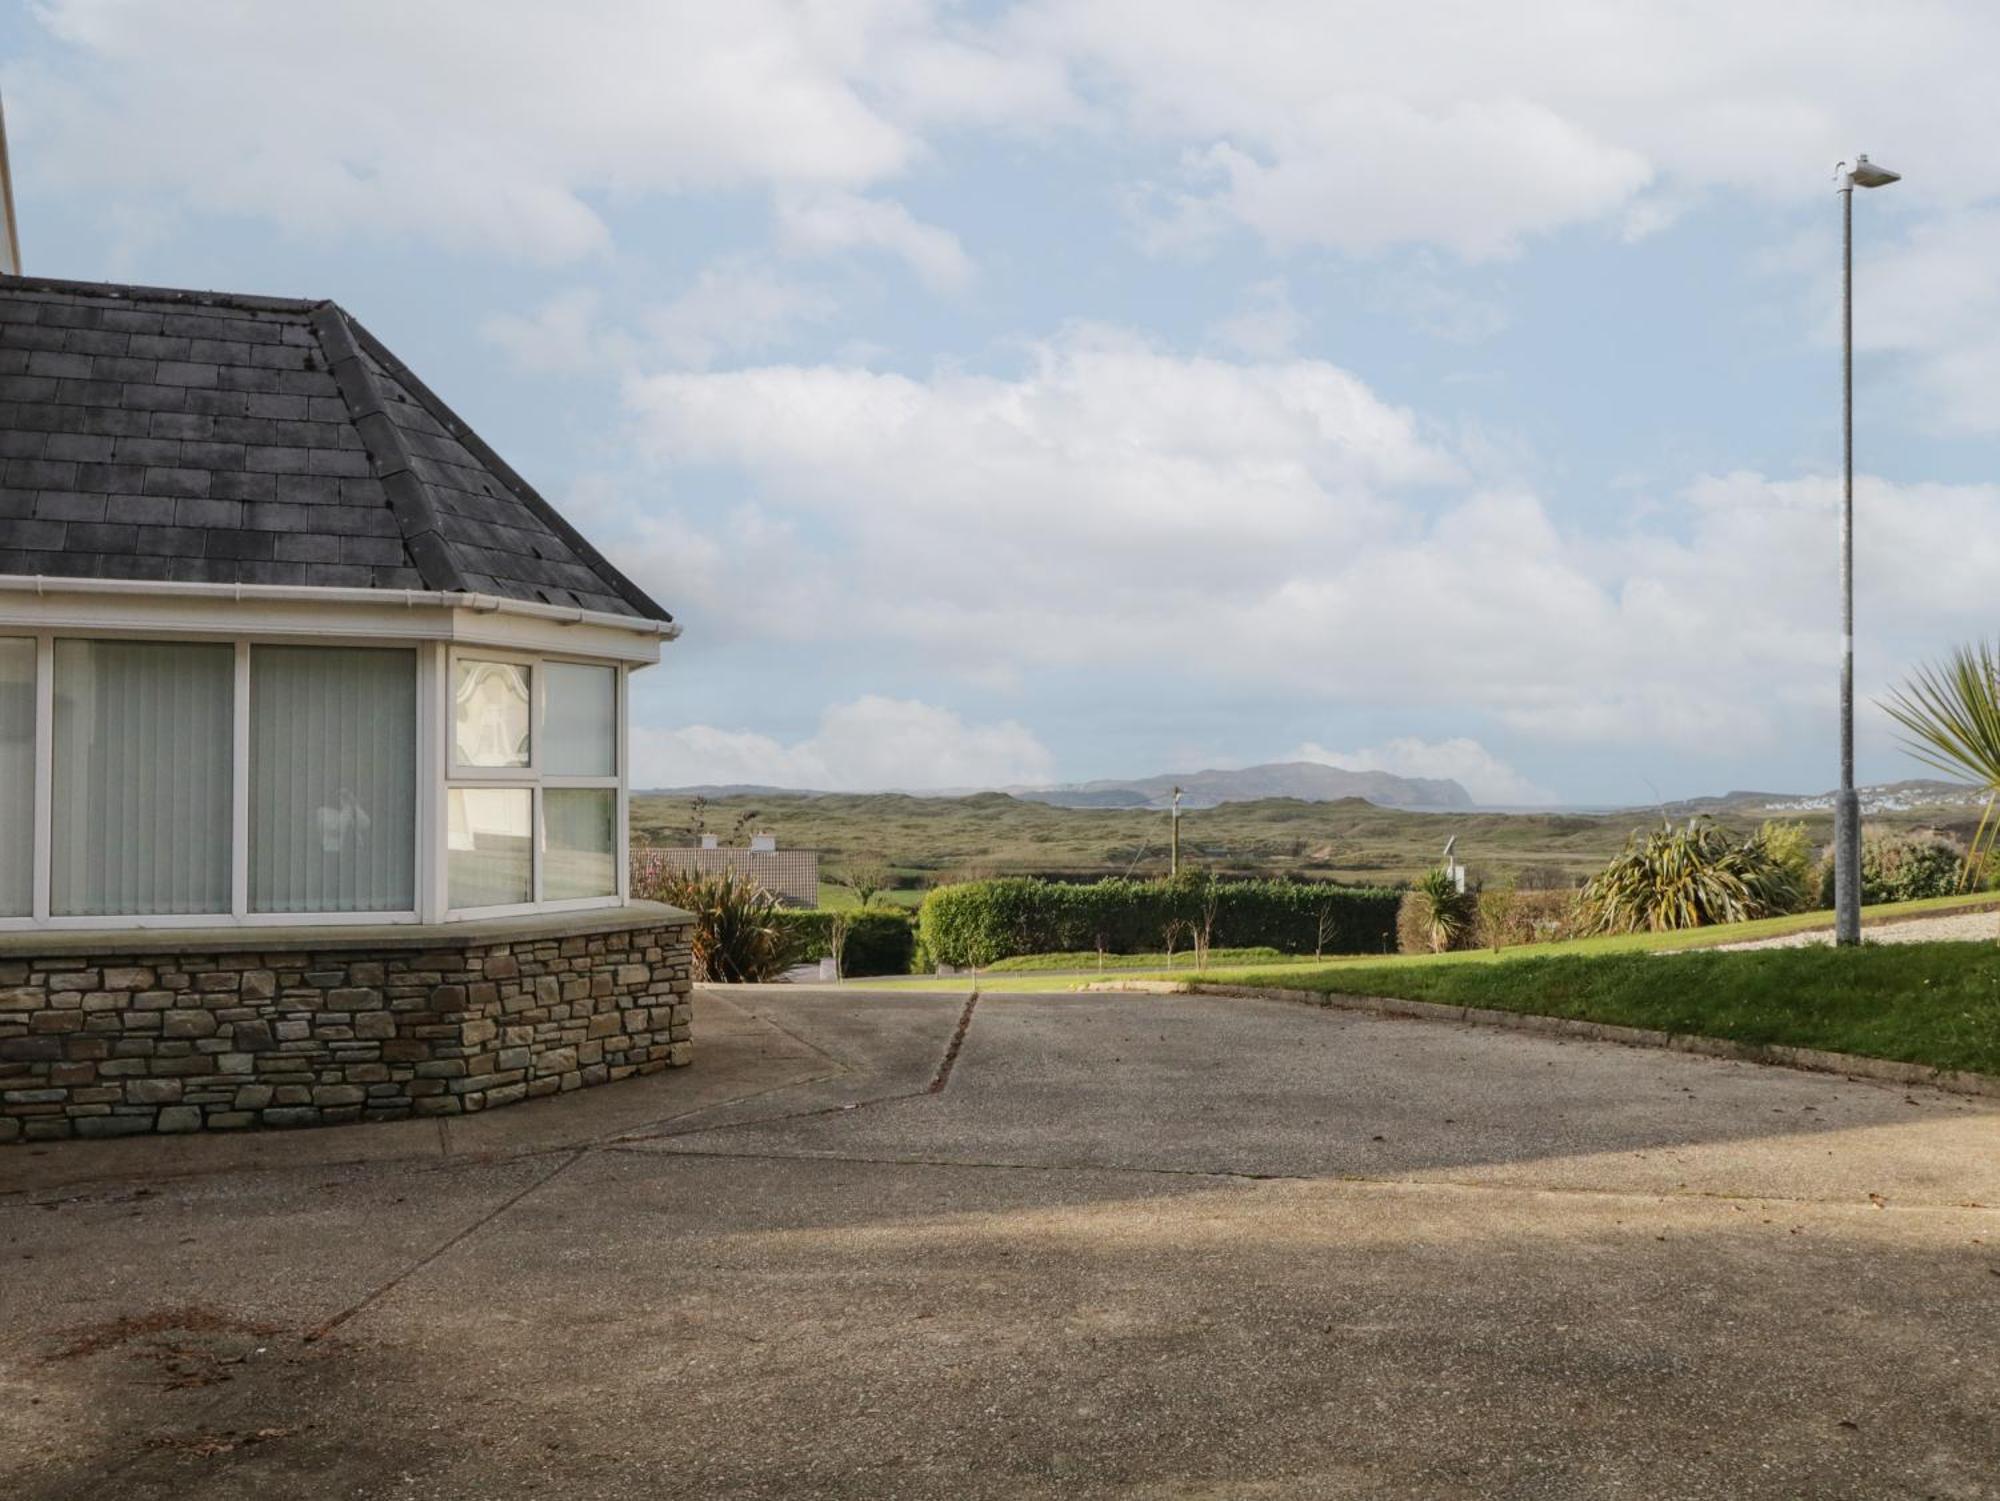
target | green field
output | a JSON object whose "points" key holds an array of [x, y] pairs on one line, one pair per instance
{"points": [[929, 840]]}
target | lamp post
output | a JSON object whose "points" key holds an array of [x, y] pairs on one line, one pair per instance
{"points": [[1847, 811]]}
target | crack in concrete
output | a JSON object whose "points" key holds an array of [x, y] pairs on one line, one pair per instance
{"points": [[319, 1333]]}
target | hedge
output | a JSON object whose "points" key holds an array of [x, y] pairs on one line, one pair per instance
{"points": [[983, 921], [880, 941]]}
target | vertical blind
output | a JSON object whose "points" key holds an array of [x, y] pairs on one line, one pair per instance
{"points": [[333, 779], [17, 776], [579, 720], [489, 846], [580, 844], [143, 761]]}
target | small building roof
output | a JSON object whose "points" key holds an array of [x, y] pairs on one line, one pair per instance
{"points": [[214, 438]]}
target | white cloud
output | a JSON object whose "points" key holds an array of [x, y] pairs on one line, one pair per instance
{"points": [[732, 307], [502, 125], [489, 124], [565, 335], [1475, 127], [1490, 781], [870, 744], [1266, 326], [1274, 526], [1930, 301], [823, 223]]}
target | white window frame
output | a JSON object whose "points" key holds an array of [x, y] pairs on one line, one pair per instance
{"points": [[239, 916], [533, 779], [436, 770]]}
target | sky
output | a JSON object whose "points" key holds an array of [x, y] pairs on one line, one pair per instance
{"points": [[1013, 393]]}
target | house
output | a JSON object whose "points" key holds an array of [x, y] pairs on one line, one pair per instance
{"points": [[299, 680], [792, 876]]}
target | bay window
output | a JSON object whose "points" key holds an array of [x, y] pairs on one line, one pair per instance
{"points": [[17, 776], [218, 781], [143, 776], [532, 814], [333, 779]]}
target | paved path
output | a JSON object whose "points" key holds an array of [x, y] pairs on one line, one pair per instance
{"points": [[1955, 927], [1083, 1246]]}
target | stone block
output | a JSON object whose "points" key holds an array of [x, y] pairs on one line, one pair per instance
{"points": [[329, 1095], [178, 1118], [259, 984], [115, 1125], [128, 978], [290, 1115], [153, 1091], [189, 1024], [75, 979], [23, 998]]}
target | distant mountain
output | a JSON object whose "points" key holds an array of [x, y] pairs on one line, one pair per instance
{"points": [[1308, 781]]}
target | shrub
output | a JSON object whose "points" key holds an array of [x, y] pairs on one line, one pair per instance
{"points": [[981, 921], [1510, 916], [1434, 916], [878, 941], [1789, 846], [1902, 867], [739, 930], [1688, 877]]}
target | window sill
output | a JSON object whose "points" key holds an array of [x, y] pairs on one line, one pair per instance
{"points": [[262, 939]]}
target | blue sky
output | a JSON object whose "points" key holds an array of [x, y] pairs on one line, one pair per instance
{"points": [[1010, 393]]}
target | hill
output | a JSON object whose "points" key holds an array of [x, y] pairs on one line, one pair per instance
{"points": [[1307, 781], [928, 839]]}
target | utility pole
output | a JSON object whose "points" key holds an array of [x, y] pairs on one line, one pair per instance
{"points": [[1176, 868]]}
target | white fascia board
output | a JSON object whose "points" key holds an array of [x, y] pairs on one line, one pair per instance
{"points": [[250, 610]]}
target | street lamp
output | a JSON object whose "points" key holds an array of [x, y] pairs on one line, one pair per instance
{"points": [[1847, 812]]}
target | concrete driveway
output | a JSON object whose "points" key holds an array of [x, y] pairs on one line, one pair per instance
{"points": [[1134, 1246]]}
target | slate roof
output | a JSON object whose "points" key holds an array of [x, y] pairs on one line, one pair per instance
{"points": [[215, 438]]}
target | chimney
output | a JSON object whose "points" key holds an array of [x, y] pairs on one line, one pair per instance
{"points": [[763, 844], [10, 244]]}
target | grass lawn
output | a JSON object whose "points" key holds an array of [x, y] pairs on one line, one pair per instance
{"points": [[1936, 1004], [1181, 963]]}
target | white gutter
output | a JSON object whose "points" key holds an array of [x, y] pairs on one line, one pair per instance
{"points": [[485, 604]]}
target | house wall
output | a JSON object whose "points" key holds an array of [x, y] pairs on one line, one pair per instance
{"points": [[792, 876], [107, 1036]]}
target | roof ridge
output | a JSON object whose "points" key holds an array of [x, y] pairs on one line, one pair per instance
{"points": [[522, 491], [125, 291], [388, 452]]}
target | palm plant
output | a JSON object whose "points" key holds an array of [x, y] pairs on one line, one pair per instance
{"points": [[738, 938], [1687, 877], [1439, 912], [1950, 714]]}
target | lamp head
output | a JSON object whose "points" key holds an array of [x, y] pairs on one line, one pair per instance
{"points": [[1866, 174]]}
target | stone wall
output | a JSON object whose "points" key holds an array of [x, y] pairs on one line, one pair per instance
{"points": [[243, 1033]]}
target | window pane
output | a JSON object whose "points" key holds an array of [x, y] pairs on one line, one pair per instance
{"points": [[142, 777], [580, 855], [333, 779], [491, 844], [492, 714], [580, 721], [17, 776]]}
